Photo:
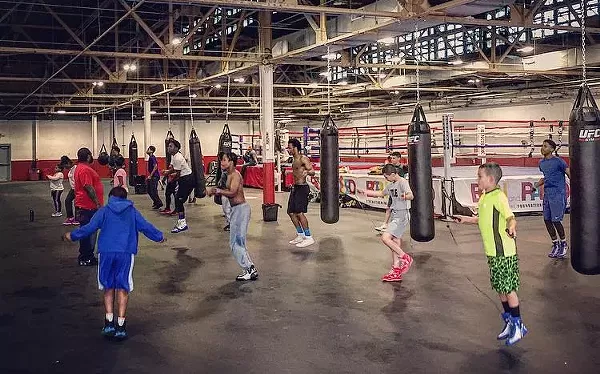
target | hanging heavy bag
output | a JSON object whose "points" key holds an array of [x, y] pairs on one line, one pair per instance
{"points": [[584, 153], [225, 142], [330, 172], [133, 160], [103, 156], [197, 165], [422, 227], [167, 154]]}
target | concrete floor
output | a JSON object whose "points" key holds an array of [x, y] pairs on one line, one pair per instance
{"points": [[317, 310]]}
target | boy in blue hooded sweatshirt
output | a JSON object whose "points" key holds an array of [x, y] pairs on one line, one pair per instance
{"points": [[119, 223]]}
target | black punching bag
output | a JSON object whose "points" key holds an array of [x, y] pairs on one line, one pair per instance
{"points": [[167, 154], [133, 160], [422, 227], [330, 172], [584, 154], [225, 141], [197, 165]]}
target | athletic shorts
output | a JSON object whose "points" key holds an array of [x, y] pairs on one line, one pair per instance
{"points": [[298, 202], [554, 207], [115, 271], [398, 223], [504, 273]]}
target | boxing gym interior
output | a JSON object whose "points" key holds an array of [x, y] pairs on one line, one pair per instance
{"points": [[255, 136]]}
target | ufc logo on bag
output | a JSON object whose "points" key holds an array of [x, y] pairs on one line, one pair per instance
{"points": [[589, 135], [413, 139]]}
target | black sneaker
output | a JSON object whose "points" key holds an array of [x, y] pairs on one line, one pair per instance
{"points": [[248, 274], [109, 329], [121, 332], [157, 206], [89, 262], [226, 228]]}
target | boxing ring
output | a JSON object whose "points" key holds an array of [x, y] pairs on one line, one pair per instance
{"points": [[458, 147]]}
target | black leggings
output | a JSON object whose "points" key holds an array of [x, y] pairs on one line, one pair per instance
{"points": [[69, 203], [56, 200], [550, 226], [170, 190], [185, 188]]}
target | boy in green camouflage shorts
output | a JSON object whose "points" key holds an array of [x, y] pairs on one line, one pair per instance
{"points": [[497, 225]]}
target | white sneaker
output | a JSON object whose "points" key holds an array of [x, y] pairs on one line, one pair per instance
{"points": [[297, 239], [57, 214], [306, 242], [382, 227]]}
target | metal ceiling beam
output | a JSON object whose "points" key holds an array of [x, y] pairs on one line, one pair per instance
{"points": [[126, 55], [16, 107], [310, 9], [75, 37], [145, 26]]}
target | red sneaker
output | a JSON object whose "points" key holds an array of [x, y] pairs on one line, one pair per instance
{"points": [[165, 211], [394, 275], [406, 263]]}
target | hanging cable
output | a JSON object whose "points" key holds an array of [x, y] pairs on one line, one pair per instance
{"points": [[191, 110], [227, 104], [169, 111], [417, 61], [131, 118], [583, 14], [329, 76]]}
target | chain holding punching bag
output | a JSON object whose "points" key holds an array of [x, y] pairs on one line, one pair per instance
{"points": [[133, 160], [330, 172], [422, 228], [225, 141], [197, 165], [584, 153]]}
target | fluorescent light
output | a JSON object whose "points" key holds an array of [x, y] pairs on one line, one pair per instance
{"points": [[193, 96], [471, 81], [240, 80], [330, 56], [387, 40], [217, 86], [456, 62], [153, 112], [526, 49], [61, 111], [176, 41]]}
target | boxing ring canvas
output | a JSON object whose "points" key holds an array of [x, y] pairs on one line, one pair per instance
{"points": [[517, 183]]}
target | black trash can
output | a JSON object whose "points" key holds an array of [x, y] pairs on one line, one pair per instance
{"points": [[140, 186], [270, 212]]}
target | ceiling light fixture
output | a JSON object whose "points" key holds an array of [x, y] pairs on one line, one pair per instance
{"points": [[330, 56], [98, 84], [153, 112], [218, 86], [526, 49], [388, 41], [61, 111], [193, 96], [129, 67], [240, 80]]}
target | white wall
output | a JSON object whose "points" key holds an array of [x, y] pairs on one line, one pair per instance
{"points": [[18, 135], [60, 137]]}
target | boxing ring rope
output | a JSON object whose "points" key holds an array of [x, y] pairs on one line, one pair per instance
{"points": [[459, 146]]}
